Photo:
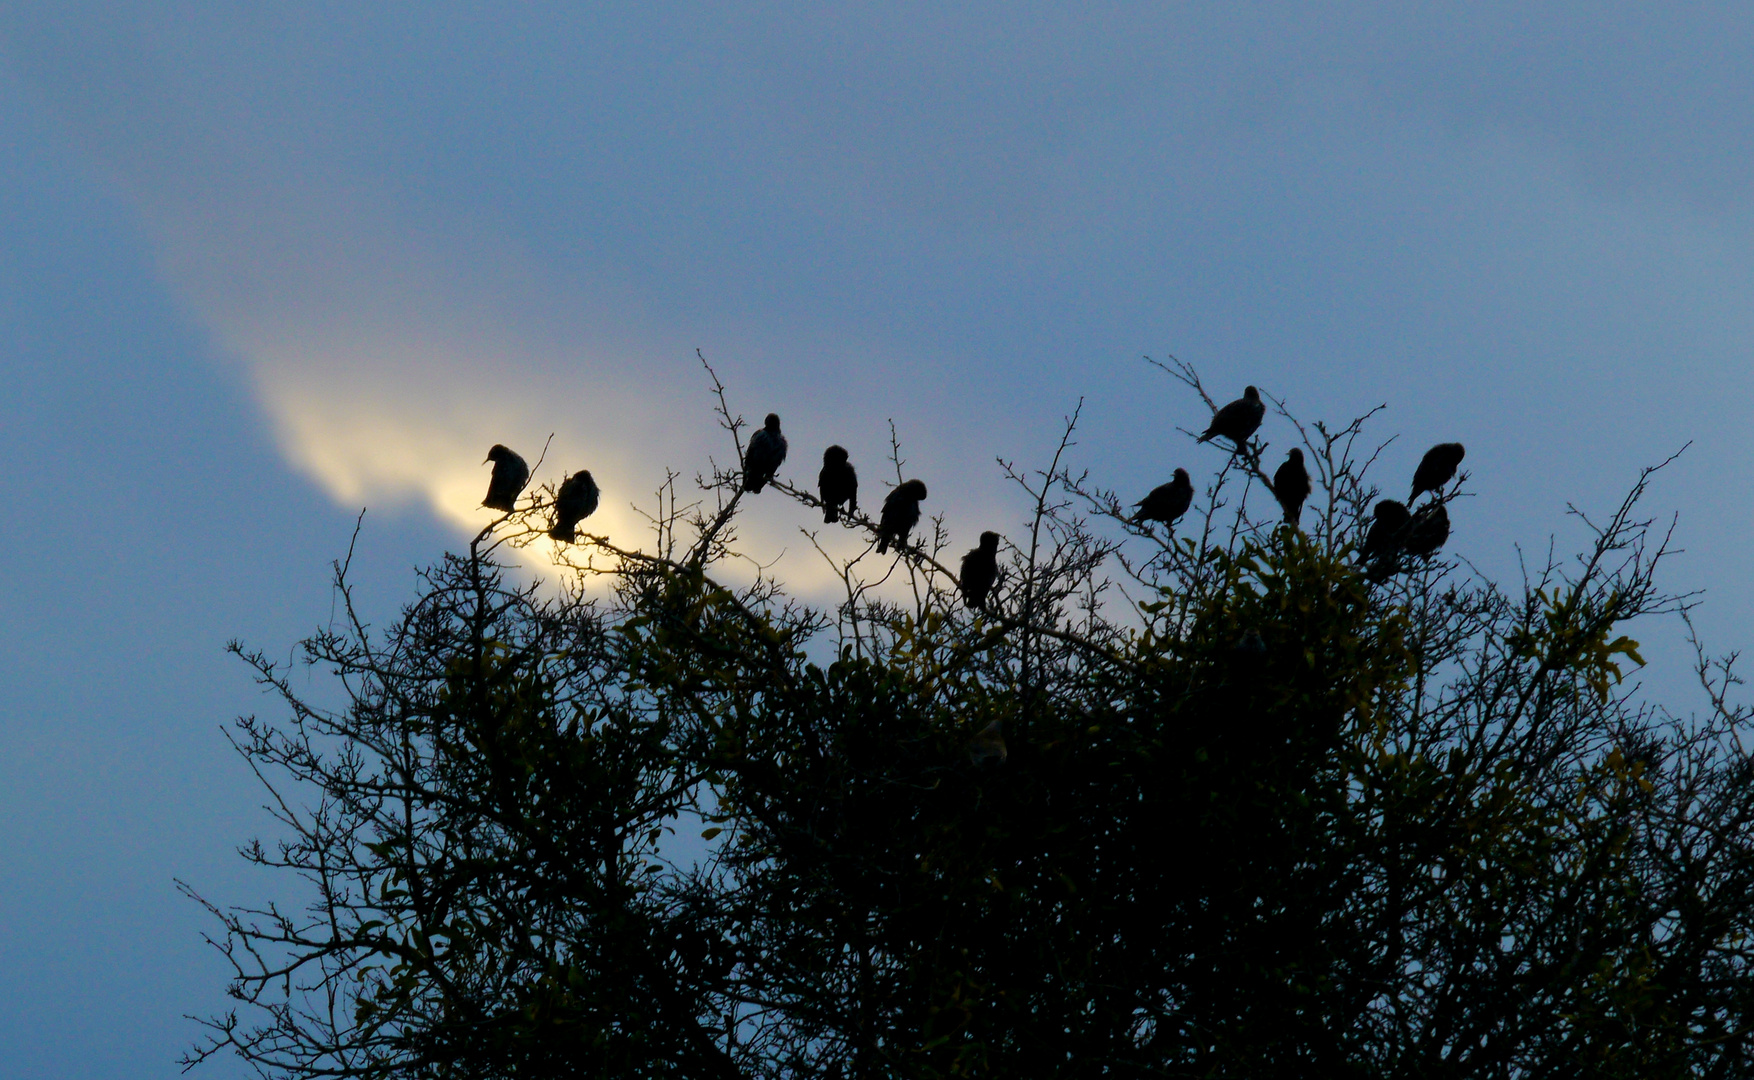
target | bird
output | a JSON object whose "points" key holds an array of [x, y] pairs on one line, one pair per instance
{"points": [[988, 745], [510, 474], [1239, 419], [837, 483], [980, 568], [767, 449], [1384, 539], [1291, 486], [1167, 502], [575, 501], [901, 512], [1250, 651], [1428, 530], [1436, 468]]}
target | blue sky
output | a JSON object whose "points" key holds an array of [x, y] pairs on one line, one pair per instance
{"points": [[260, 268]]}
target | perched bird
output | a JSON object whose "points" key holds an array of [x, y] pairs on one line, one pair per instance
{"points": [[980, 568], [1251, 651], [988, 745], [1384, 539], [1167, 502], [1239, 419], [837, 483], [1436, 468], [1291, 486], [767, 449], [901, 512], [575, 501], [510, 474], [1428, 530]]}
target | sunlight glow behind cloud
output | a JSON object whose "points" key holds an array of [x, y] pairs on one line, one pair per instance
{"points": [[388, 362]]}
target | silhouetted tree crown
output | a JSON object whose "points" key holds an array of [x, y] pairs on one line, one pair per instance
{"points": [[1229, 803]]}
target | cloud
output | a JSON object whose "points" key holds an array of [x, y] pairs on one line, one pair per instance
{"points": [[387, 358]]}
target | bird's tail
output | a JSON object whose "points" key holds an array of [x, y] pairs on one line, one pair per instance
{"points": [[566, 534], [1206, 437], [1293, 515], [830, 515], [883, 545], [753, 483]]}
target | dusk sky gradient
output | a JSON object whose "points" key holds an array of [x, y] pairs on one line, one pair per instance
{"points": [[260, 267]]}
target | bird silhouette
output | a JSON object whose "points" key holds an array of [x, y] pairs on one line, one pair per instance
{"points": [[980, 568], [575, 501], [510, 474], [767, 449], [1291, 486], [1167, 502], [1383, 541], [1428, 530], [1239, 419], [837, 483], [1436, 468], [1250, 652], [988, 745], [901, 512]]}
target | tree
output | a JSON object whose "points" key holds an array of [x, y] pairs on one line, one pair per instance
{"points": [[1280, 817]]}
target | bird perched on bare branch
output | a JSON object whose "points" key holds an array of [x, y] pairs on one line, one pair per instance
{"points": [[980, 568], [767, 450], [1436, 468], [988, 745], [1291, 486], [510, 474], [1239, 419], [1383, 541], [575, 501], [901, 512], [1167, 502], [837, 483], [1428, 530]]}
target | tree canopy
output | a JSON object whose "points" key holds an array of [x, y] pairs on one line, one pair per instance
{"points": [[1217, 801]]}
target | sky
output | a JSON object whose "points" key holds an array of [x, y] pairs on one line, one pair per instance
{"points": [[262, 266]]}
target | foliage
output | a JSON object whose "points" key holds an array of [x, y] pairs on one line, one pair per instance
{"points": [[1277, 819]]}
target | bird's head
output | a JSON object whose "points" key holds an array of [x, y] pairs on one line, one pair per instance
{"points": [[497, 454], [772, 423], [1249, 393], [989, 541], [1388, 510], [584, 476], [915, 489], [834, 455], [1181, 477], [1295, 455]]}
